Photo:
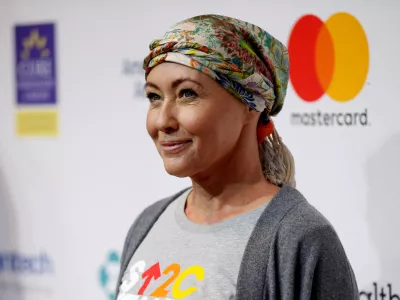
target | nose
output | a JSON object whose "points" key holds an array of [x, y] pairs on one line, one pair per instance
{"points": [[166, 119]]}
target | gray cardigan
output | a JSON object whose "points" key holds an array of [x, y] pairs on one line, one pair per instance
{"points": [[293, 252]]}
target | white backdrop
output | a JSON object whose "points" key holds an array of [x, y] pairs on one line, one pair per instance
{"points": [[66, 202]]}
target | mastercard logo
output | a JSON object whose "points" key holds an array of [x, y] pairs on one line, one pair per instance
{"points": [[329, 57]]}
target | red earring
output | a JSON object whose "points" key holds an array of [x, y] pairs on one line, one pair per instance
{"points": [[265, 127]]}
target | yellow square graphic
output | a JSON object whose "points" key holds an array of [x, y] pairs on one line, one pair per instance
{"points": [[37, 123]]}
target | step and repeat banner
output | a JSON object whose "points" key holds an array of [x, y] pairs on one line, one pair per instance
{"points": [[77, 166]]}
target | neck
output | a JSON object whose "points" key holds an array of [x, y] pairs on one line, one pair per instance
{"points": [[231, 187]]}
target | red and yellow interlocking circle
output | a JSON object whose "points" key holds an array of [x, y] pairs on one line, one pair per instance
{"points": [[329, 57]]}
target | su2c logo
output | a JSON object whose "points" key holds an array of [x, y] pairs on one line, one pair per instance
{"points": [[176, 277], [329, 57]]}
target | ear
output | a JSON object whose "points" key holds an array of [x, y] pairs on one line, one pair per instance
{"points": [[252, 115]]}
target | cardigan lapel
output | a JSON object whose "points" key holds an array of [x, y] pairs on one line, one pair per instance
{"points": [[140, 229], [253, 268]]}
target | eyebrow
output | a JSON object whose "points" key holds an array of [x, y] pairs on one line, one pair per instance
{"points": [[175, 83]]}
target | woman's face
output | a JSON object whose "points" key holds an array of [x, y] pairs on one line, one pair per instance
{"points": [[194, 122]]}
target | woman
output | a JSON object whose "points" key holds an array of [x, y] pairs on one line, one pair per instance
{"points": [[241, 231]]}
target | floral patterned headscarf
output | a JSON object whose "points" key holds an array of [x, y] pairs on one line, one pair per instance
{"points": [[245, 59]]}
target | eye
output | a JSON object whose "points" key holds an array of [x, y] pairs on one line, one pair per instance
{"points": [[187, 93], [153, 97]]}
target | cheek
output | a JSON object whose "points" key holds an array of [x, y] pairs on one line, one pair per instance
{"points": [[192, 124], [206, 125], [151, 125], [220, 129], [197, 121]]}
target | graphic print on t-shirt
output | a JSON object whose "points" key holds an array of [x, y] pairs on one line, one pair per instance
{"points": [[135, 287], [180, 259]]}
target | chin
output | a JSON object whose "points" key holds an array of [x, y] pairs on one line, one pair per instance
{"points": [[178, 168]]}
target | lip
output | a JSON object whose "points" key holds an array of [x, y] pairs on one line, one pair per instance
{"points": [[174, 147]]}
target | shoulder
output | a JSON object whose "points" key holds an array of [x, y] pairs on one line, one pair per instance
{"points": [[151, 213], [160, 205], [302, 222], [303, 251], [304, 235], [144, 222]]}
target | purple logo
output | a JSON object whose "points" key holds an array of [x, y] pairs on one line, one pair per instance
{"points": [[35, 64]]}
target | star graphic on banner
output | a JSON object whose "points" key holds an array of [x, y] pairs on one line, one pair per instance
{"points": [[34, 40]]}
